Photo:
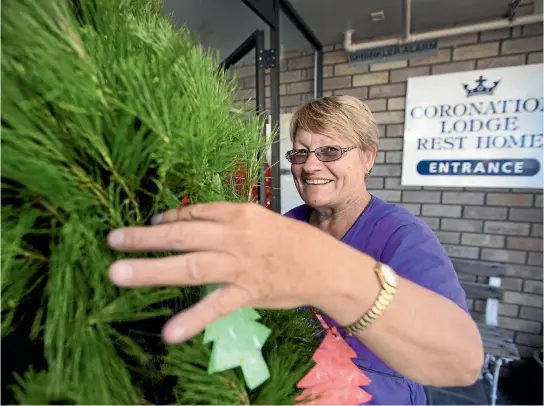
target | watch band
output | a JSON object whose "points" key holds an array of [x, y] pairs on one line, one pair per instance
{"points": [[388, 281]]}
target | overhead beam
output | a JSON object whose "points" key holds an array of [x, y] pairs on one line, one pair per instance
{"points": [[265, 9], [239, 53], [300, 24]]}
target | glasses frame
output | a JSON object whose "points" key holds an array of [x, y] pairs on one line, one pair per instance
{"points": [[292, 152]]}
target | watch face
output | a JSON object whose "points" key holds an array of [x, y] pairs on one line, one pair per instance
{"points": [[388, 275]]}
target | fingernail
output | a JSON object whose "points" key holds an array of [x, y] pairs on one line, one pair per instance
{"points": [[121, 273], [115, 238], [174, 335], [156, 219]]}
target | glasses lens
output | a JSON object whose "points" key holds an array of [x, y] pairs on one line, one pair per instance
{"points": [[298, 157], [328, 154]]}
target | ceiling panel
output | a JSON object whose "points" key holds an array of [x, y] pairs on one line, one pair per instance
{"points": [[223, 24], [437, 14], [219, 24]]}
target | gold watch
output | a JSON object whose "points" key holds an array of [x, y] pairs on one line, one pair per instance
{"points": [[388, 281]]}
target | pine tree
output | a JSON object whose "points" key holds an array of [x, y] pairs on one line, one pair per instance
{"points": [[110, 115], [335, 379]]}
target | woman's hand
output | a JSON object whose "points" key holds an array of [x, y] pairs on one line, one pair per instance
{"points": [[261, 259]]}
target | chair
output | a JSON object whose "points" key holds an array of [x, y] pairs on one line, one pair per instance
{"points": [[499, 347]]}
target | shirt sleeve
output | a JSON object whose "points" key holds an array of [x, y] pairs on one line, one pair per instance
{"points": [[415, 253]]}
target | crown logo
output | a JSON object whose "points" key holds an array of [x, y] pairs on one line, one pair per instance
{"points": [[480, 87]]}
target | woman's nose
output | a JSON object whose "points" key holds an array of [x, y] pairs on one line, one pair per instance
{"points": [[312, 163]]}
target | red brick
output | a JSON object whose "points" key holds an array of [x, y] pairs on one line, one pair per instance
{"points": [[389, 117], [476, 51], [401, 75], [535, 57], [533, 29], [291, 101], [524, 243], [494, 35], [395, 130], [444, 55], [344, 69], [388, 65], [367, 79], [520, 45], [533, 287], [359, 92], [376, 104], [300, 87], [301, 62], [335, 57], [508, 199], [453, 67], [519, 325], [396, 103], [392, 90], [244, 71], [291, 76], [501, 61], [519, 298], [459, 40], [336, 83]]}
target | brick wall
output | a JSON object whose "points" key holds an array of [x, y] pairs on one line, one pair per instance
{"points": [[494, 225]]}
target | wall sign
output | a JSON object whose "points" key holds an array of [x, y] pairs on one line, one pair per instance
{"points": [[475, 129], [390, 53]]}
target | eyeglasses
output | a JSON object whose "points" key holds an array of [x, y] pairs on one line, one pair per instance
{"points": [[324, 154]]}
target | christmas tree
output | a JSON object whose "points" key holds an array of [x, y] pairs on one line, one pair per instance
{"points": [[335, 380], [109, 116]]}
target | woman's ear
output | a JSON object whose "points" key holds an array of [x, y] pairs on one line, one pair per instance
{"points": [[369, 157]]}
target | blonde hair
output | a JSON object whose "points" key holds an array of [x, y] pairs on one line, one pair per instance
{"points": [[342, 118]]}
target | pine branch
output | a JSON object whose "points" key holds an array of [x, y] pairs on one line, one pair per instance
{"points": [[288, 353], [20, 264], [110, 115]]}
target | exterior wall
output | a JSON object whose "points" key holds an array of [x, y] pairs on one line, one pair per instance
{"points": [[482, 224]]}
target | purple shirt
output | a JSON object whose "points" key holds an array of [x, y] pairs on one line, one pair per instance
{"points": [[393, 236]]}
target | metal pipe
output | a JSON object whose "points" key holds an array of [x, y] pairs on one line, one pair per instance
{"points": [[275, 110], [261, 104], [407, 19], [447, 32], [318, 73]]}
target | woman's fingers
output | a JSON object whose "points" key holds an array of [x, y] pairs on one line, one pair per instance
{"points": [[196, 268], [178, 236], [222, 302], [215, 212]]}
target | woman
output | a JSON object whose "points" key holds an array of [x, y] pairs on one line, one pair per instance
{"points": [[370, 266]]}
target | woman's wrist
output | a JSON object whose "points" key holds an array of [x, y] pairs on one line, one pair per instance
{"points": [[352, 289]]}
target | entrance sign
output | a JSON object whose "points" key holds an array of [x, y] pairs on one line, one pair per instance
{"points": [[475, 129]]}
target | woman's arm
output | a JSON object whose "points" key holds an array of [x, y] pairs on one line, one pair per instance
{"points": [[422, 334]]}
